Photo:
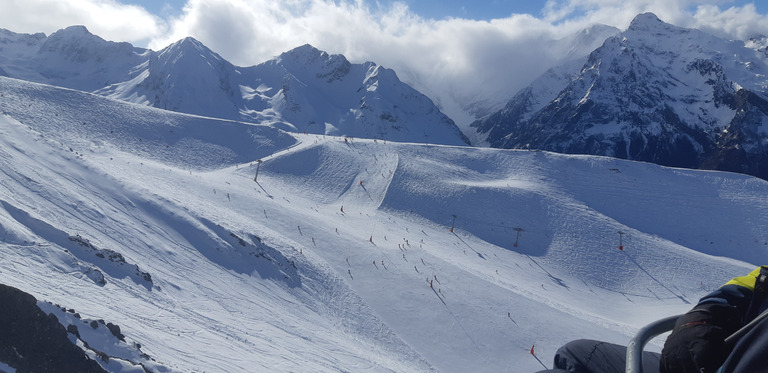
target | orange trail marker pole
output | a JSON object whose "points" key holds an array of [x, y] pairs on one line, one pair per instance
{"points": [[621, 241], [537, 358]]}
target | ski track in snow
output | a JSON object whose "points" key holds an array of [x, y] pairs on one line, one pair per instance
{"points": [[340, 257]]}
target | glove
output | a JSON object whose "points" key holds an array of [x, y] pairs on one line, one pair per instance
{"points": [[697, 343]]}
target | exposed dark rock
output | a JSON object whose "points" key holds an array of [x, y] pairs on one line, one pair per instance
{"points": [[73, 330], [32, 341], [115, 330]]}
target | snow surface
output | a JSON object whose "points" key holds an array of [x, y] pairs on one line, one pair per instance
{"points": [[654, 92], [340, 257], [303, 90], [482, 92]]}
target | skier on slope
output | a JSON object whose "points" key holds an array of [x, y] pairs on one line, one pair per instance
{"points": [[697, 343]]}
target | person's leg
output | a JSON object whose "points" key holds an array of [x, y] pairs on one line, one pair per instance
{"points": [[589, 356], [751, 352]]}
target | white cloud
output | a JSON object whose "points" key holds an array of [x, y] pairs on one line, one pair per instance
{"points": [[735, 22], [107, 18], [720, 17], [447, 59]]}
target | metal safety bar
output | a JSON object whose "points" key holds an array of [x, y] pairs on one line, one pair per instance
{"points": [[648, 332], [638, 342]]}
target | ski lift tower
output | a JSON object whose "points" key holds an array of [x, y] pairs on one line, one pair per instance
{"points": [[258, 164], [517, 237]]}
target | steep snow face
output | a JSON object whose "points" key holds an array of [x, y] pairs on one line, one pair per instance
{"points": [[75, 58], [303, 90], [17, 50], [355, 255], [71, 57], [657, 93], [525, 103], [155, 134], [467, 103], [326, 94], [582, 43], [185, 77], [308, 63]]}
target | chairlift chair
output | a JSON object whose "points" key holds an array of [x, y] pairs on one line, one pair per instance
{"points": [[650, 331]]}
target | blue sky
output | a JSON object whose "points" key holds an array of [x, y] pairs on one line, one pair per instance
{"points": [[160, 8], [489, 9], [444, 48], [436, 9], [440, 9], [478, 10]]}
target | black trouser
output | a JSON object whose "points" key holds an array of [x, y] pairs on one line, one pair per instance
{"points": [[750, 354], [588, 356]]}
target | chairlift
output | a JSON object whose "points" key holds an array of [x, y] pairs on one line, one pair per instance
{"points": [[652, 330]]}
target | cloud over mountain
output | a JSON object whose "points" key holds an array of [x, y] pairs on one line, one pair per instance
{"points": [[657, 93], [303, 90], [512, 49]]}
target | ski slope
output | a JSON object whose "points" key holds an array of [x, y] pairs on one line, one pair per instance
{"points": [[341, 256]]}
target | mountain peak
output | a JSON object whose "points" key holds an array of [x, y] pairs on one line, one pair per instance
{"points": [[7, 37], [307, 58], [188, 47], [73, 34], [306, 49], [300, 87], [645, 22], [656, 92], [75, 30], [598, 29], [305, 54], [77, 44], [647, 18], [188, 43]]}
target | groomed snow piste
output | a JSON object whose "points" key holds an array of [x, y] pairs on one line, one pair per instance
{"points": [[341, 256]]}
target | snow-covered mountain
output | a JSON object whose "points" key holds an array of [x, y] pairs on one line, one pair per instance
{"points": [[465, 103], [303, 90], [656, 92], [72, 58], [143, 232]]}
